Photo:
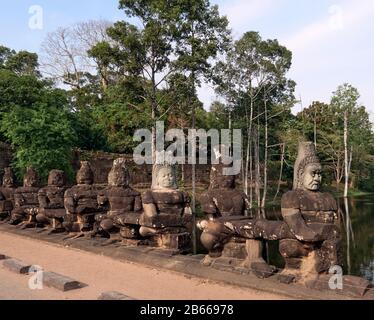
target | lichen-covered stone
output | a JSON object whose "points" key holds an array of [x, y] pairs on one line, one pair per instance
{"points": [[51, 201], [26, 203]]}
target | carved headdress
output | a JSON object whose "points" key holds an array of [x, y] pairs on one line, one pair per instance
{"points": [[218, 179], [119, 174], [8, 178], [30, 179], [56, 178], [306, 155], [85, 174]]}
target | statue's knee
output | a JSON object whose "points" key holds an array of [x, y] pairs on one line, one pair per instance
{"points": [[210, 241], [290, 248]]}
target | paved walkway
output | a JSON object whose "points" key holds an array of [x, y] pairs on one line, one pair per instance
{"points": [[106, 274]]}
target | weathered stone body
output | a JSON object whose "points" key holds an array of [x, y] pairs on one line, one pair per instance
{"points": [[123, 203], [80, 202], [312, 218], [167, 220], [225, 208], [51, 201], [26, 203], [7, 194]]}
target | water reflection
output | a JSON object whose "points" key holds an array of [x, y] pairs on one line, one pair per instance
{"points": [[357, 223]]}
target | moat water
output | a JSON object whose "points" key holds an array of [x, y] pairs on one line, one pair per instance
{"points": [[357, 222]]}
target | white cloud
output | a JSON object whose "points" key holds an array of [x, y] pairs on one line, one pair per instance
{"points": [[339, 19]]}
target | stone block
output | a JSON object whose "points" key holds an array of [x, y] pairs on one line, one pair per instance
{"points": [[17, 266], [3, 256], [60, 282], [114, 295]]}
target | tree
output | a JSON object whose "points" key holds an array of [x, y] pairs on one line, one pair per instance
{"points": [[252, 79], [65, 55]]}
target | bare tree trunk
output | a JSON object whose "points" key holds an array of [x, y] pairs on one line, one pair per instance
{"points": [[315, 127], [346, 160], [263, 202], [250, 157], [281, 171], [257, 167]]}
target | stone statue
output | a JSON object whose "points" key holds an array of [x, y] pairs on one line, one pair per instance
{"points": [[311, 216], [124, 205], [26, 202], [81, 204], [224, 206], [7, 194], [167, 218], [51, 202]]}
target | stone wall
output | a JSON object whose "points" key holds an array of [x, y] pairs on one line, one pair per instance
{"points": [[141, 176]]}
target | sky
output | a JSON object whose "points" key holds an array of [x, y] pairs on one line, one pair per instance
{"points": [[332, 41]]}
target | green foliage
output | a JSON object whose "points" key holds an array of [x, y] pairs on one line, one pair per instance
{"points": [[34, 116], [42, 136]]}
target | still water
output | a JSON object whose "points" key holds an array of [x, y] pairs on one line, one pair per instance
{"points": [[357, 223]]}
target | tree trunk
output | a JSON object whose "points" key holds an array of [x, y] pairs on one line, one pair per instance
{"points": [[263, 202], [281, 171], [346, 160]]}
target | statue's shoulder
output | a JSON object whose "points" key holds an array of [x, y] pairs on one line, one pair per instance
{"points": [[330, 201], [291, 199]]}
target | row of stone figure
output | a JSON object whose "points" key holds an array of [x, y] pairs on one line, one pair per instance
{"points": [[309, 237]]}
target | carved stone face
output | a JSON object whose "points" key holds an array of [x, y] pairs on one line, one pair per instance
{"points": [[31, 178], [8, 179], [56, 178], [165, 178], [311, 177], [119, 175], [85, 174]]}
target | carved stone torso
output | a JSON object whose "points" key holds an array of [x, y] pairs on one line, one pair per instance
{"points": [[315, 207], [167, 202], [6, 198], [51, 198], [26, 197], [82, 199], [223, 203], [121, 200]]}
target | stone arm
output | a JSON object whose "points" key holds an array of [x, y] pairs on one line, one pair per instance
{"points": [[19, 200], [69, 202], [298, 226], [187, 201], [138, 206], [43, 199], [209, 206], [2, 197], [102, 200], [149, 206]]}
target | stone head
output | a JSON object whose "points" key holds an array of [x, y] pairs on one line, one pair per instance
{"points": [[307, 168], [56, 178], [85, 174], [164, 177], [8, 178], [119, 174], [218, 180], [30, 179]]}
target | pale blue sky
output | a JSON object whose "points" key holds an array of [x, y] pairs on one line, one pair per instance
{"points": [[332, 41]]}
